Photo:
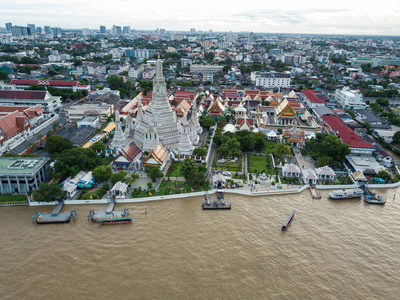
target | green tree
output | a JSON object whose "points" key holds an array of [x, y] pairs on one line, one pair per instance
{"points": [[192, 173], [102, 173], [115, 177], [3, 75], [207, 122], [57, 144], [48, 192], [396, 138], [199, 152], [149, 185], [282, 150], [98, 146], [153, 173], [384, 175]]}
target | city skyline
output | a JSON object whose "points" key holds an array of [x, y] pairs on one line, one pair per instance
{"points": [[291, 17]]}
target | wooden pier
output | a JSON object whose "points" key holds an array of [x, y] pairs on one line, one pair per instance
{"points": [[55, 216]]}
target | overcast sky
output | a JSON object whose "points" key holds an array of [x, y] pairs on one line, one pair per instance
{"points": [[290, 16]]}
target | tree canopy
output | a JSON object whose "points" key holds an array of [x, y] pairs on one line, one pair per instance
{"points": [[199, 152], [153, 173], [206, 122], [120, 176], [193, 174], [57, 144], [102, 173], [328, 149], [48, 192]]}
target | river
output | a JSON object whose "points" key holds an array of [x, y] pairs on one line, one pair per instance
{"points": [[343, 249]]}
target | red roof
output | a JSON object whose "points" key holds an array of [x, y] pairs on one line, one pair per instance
{"points": [[45, 82], [78, 46], [36, 95], [310, 95], [12, 124], [347, 135]]}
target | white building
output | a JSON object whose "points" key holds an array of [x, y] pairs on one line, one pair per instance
{"points": [[349, 98], [271, 79]]}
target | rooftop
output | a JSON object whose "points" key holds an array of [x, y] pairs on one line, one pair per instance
{"points": [[21, 165]]}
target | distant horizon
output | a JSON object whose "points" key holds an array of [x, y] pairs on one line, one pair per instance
{"points": [[291, 17], [215, 31]]}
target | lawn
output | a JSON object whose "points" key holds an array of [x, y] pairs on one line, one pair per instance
{"points": [[259, 164], [174, 170], [96, 193], [229, 166], [168, 188], [13, 199], [295, 181]]}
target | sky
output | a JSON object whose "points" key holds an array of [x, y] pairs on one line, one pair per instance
{"points": [[289, 16]]}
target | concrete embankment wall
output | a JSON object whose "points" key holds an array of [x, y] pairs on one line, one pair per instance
{"points": [[228, 191]]}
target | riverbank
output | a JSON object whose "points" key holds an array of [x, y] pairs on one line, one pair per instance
{"points": [[245, 192]]}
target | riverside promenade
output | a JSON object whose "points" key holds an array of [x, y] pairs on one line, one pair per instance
{"points": [[246, 191]]}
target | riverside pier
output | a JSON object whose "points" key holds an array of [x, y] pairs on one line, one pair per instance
{"points": [[55, 216]]}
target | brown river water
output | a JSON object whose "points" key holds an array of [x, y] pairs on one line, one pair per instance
{"points": [[343, 249]]}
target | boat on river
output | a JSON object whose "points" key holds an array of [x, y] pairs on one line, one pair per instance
{"points": [[288, 221], [346, 194]]}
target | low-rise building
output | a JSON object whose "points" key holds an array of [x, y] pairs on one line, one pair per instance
{"points": [[49, 104], [91, 121], [347, 98], [22, 84], [19, 175], [271, 79], [206, 69], [310, 99], [80, 111]]}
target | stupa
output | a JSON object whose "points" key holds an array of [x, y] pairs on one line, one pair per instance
{"points": [[119, 140], [159, 124]]}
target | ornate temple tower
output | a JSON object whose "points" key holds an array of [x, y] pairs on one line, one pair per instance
{"points": [[185, 145], [159, 118], [119, 140]]}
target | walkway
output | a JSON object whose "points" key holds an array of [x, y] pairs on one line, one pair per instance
{"points": [[303, 162]]}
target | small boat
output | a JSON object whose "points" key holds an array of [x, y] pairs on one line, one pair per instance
{"points": [[346, 194], [288, 221], [372, 199], [113, 217]]}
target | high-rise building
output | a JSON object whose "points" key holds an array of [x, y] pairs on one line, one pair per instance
{"points": [[192, 30], [8, 26], [118, 28], [32, 27], [47, 29], [20, 31], [250, 39], [39, 30], [126, 30], [103, 29], [85, 31], [56, 31], [162, 31]]}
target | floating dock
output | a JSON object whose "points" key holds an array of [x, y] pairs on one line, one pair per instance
{"points": [[55, 217], [371, 197], [220, 204], [110, 216]]}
